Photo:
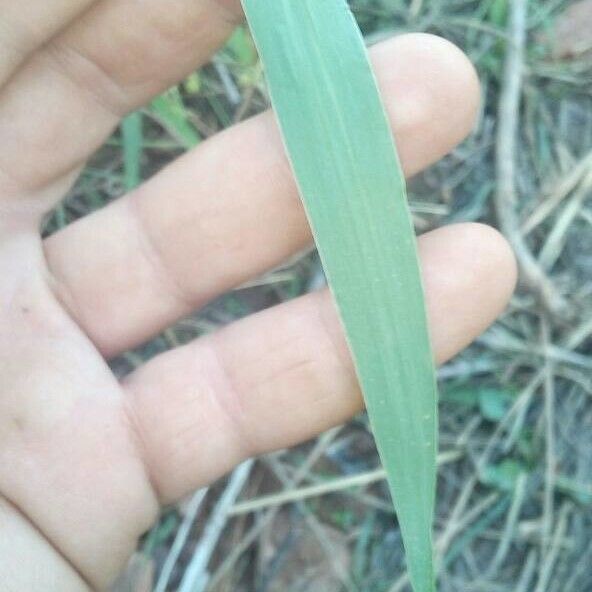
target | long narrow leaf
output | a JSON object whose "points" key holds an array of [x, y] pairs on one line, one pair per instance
{"points": [[343, 155], [132, 138]]}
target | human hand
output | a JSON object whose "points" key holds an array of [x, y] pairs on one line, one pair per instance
{"points": [[85, 461]]}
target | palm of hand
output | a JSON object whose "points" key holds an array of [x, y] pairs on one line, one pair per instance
{"points": [[86, 460]]}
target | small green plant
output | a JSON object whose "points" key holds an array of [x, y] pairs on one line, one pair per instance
{"points": [[342, 151], [170, 111]]}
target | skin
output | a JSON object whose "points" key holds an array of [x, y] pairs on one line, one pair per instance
{"points": [[85, 460]]}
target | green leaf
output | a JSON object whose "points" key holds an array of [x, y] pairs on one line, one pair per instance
{"points": [[240, 47], [132, 139], [495, 403], [498, 12], [503, 476], [463, 397], [171, 113], [341, 149], [192, 83]]}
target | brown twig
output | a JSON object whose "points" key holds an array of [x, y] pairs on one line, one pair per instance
{"points": [[532, 275], [267, 519], [195, 578]]}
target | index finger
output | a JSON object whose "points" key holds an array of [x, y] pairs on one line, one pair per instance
{"points": [[68, 98]]}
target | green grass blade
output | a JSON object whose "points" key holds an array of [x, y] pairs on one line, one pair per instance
{"points": [[132, 138], [169, 109], [343, 155]]}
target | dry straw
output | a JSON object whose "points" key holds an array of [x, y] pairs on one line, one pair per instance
{"points": [[342, 152]]}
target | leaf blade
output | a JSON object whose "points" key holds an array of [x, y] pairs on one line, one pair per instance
{"points": [[343, 155], [132, 139]]}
